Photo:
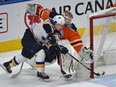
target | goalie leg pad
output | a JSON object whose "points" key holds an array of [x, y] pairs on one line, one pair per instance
{"points": [[66, 65]]}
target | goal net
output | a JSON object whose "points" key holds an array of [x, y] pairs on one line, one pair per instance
{"points": [[100, 36]]}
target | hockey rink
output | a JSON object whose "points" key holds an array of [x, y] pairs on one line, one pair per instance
{"points": [[28, 77]]}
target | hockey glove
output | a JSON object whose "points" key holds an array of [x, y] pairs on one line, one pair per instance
{"points": [[32, 8], [87, 55], [51, 38], [62, 49]]}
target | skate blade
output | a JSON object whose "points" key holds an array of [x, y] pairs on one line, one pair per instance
{"points": [[45, 80], [4, 69], [68, 79]]}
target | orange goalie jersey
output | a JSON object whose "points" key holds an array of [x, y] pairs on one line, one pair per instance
{"points": [[73, 37]]}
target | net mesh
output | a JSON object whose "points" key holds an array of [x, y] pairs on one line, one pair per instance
{"points": [[104, 33]]}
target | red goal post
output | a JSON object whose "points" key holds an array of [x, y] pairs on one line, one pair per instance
{"points": [[111, 12]]}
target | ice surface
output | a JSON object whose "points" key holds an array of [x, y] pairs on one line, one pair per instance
{"points": [[28, 77]]}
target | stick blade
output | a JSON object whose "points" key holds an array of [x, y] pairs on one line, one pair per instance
{"points": [[15, 75], [100, 74], [18, 73]]}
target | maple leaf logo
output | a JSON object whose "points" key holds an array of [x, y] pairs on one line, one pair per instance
{"points": [[33, 19]]}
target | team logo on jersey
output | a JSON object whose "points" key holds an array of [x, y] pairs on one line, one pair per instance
{"points": [[59, 18], [31, 19]]}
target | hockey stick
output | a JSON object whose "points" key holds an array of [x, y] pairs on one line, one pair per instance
{"points": [[97, 74], [18, 73]]}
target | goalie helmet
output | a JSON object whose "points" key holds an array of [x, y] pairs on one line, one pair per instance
{"points": [[68, 14], [59, 19]]}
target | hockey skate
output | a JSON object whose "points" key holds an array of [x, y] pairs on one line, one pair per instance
{"points": [[6, 66], [43, 76]]}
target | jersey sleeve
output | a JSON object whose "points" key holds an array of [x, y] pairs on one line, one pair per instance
{"points": [[53, 13], [48, 28]]}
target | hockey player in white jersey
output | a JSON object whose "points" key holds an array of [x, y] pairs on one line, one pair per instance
{"points": [[35, 42]]}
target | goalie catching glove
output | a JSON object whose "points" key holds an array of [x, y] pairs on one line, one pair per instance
{"points": [[87, 55], [32, 8]]}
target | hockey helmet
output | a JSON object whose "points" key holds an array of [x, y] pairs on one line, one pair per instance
{"points": [[59, 19]]}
